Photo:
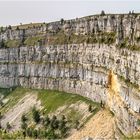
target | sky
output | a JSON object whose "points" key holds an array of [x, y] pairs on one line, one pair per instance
{"points": [[27, 11]]}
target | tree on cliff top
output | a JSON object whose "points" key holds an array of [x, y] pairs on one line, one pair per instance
{"points": [[62, 21], [102, 13], [2, 44]]}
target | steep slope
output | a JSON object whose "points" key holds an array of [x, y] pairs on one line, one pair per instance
{"points": [[13, 116], [70, 111], [100, 126]]}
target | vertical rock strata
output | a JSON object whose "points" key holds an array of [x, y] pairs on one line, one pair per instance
{"points": [[82, 68]]}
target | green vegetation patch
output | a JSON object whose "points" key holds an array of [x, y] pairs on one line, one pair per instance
{"points": [[12, 43], [125, 44], [26, 26], [127, 81], [109, 37], [13, 97], [51, 100], [5, 91], [32, 41], [45, 122], [101, 37], [134, 137]]}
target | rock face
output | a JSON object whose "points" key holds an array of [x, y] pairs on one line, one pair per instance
{"points": [[126, 27], [82, 68]]}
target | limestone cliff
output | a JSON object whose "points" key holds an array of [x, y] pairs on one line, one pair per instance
{"points": [[82, 68]]}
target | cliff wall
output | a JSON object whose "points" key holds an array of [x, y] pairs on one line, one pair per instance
{"points": [[107, 72], [125, 28]]}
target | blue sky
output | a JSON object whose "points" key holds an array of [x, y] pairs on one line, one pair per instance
{"points": [[27, 11]]}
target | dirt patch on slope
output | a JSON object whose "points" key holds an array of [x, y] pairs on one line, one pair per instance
{"points": [[99, 126], [13, 116]]}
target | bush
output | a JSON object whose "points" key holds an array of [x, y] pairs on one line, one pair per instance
{"points": [[130, 47], [1, 29], [24, 125], [90, 108], [77, 123], [29, 132], [46, 121], [2, 44], [62, 123], [35, 133], [36, 115], [63, 132], [123, 45], [51, 134], [54, 122], [8, 126], [23, 118]]}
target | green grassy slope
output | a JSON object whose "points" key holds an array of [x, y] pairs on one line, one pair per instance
{"points": [[54, 99], [51, 102]]}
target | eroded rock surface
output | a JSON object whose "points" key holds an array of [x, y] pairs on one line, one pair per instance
{"points": [[82, 68]]}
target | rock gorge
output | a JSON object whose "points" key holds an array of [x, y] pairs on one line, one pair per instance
{"points": [[104, 66]]}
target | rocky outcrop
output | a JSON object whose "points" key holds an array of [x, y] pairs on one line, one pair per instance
{"points": [[126, 27], [83, 68]]}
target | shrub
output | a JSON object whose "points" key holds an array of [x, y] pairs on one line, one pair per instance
{"points": [[36, 115], [90, 108], [54, 122], [77, 123], [35, 133], [123, 45], [29, 132], [23, 118], [62, 123], [46, 121], [24, 125], [109, 37], [2, 44], [63, 132], [1, 29], [8, 126], [51, 134]]}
